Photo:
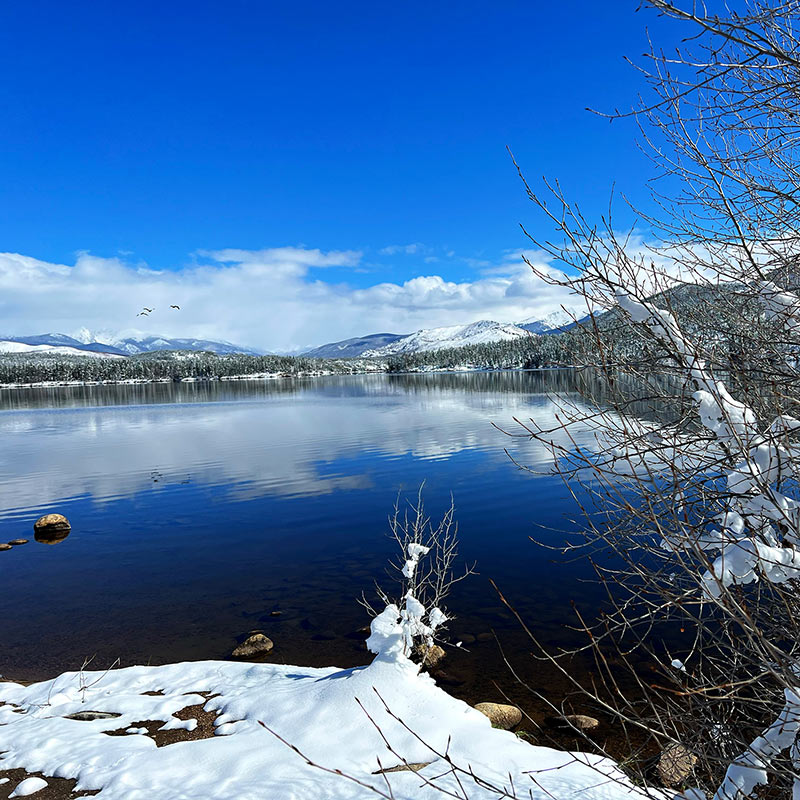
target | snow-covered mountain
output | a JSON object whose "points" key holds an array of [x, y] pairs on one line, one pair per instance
{"points": [[451, 336], [54, 340], [132, 342], [127, 343], [554, 322], [352, 348], [9, 346]]}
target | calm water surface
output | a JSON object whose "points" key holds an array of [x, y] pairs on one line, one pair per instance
{"points": [[198, 509]]}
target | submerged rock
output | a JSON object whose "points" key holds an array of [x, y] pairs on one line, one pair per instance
{"points": [[501, 716], [4, 546], [255, 645], [579, 721], [51, 528], [447, 678], [18, 541]]}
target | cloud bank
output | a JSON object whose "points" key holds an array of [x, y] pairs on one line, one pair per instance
{"points": [[276, 299]]}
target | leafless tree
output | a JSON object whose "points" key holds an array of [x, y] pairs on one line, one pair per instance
{"points": [[697, 499], [423, 572]]}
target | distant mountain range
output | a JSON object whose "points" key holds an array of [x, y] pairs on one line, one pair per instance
{"points": [[384, 344], [146, 343], [125, 345], [351, 348], [379, 345]]}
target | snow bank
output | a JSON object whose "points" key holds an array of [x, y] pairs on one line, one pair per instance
{"points": [[314, 709]]}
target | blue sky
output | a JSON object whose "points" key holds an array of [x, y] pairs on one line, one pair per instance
{"points": [[152, 134]]}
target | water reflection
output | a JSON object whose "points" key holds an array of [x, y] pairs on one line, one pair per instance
{"points": [[291, 438], [199, 508]]}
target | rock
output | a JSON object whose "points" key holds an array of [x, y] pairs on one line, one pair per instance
{"points": [[51, 528], [275, 613], [429, 655], [361, 633], [324, 636], [485, 637], [90, 716], [502, 716], [571, 721], [18, 541], [55, 522], [410, 767], [255, 645], [675, 764], [446, 678], [4, 546]]}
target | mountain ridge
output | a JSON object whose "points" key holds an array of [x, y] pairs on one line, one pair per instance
{"points": [[117, 345]]}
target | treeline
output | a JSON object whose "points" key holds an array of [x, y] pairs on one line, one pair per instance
{"points": [[168, 365]]}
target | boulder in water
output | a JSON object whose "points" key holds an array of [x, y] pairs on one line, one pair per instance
{"points": [[51, 528], [255, 645]]}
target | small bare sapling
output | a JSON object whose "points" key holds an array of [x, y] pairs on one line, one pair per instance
{"points": [[423, 574]]}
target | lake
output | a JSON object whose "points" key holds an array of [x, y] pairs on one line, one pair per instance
{"points": [[198, 509]]}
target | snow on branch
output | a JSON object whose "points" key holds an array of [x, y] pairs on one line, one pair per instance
{"points": [[414, 616]]}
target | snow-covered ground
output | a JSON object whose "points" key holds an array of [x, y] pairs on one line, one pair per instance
{"points": [[451, 336], [322, 712]]}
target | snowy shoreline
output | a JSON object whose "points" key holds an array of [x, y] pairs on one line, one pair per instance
{"points": [[265, 376], [231, 725]]}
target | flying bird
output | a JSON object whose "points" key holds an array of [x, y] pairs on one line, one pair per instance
{"points": [[145, 308], [142, 314], [178, 307]]}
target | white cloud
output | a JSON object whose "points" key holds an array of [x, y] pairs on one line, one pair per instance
{"points": [[407, 249], [270, 299]]}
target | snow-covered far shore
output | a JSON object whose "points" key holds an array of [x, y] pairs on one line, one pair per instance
{"points": [[256, 376], [266, 376], [324, 713]]}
